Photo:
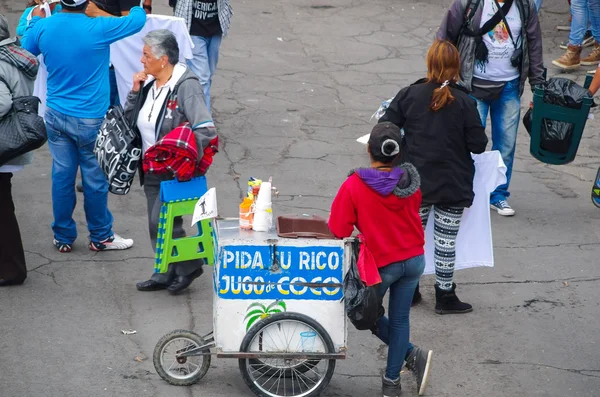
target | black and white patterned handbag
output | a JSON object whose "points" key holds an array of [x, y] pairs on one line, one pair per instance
{"points": [[118, 150]]}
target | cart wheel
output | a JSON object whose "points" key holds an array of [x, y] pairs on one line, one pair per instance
{"points": [[268, 370], [287, 333], [183, 371]]}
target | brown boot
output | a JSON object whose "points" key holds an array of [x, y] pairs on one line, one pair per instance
{"points": [[570, 60], [594, 58]]}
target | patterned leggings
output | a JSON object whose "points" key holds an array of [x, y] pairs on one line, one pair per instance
{"points": [[446, 225]]}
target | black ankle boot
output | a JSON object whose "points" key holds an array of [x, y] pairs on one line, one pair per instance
{"points": [[417, 298], [446, 302]]}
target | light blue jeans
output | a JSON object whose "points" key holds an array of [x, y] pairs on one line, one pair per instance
{"points": [[538, 4], [584, 13], [71, 141], [401, 278], [204, 62], [504, 114]]}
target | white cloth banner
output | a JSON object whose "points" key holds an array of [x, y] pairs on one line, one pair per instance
{"points": [[125, 56], [474, 246], [39, 87]]}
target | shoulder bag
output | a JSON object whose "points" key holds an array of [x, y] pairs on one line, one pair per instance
{"points": [[118, 149], [22, 129]]}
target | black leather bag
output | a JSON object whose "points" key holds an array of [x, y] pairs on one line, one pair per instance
{"points": [[118, 150], [21, 129]]}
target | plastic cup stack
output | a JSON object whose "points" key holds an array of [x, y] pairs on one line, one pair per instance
{"points": [[263, 215]]}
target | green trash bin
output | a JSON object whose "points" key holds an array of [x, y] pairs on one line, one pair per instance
{"points": [[577, 117]]}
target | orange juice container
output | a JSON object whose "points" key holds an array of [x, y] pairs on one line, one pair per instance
{"points": [[246, 213]]}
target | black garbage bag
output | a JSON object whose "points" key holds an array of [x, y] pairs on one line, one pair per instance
{"points": [[564, 92], [528, 120], [556, 136], [363, 304]]}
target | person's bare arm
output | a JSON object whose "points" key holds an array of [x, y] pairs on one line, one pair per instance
{"points": [[595, 85]]}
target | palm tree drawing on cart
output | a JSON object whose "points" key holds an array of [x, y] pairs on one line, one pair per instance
{"points": [[257, 311]]}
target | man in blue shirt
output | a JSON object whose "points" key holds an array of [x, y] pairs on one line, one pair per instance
{"points": [[76, 50]]}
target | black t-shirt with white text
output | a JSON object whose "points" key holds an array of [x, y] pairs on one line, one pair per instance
{"points": [[205, 19], [115, 7]]}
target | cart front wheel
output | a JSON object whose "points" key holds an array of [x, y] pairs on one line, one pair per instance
{"points": [[291, 333], [180, 371]]}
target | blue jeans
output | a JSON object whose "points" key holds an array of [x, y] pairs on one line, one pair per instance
{"points": [[538, 4], [401, 278], [114, 89], [504, 113], [71, 141], [204, 62], [584, 13]]}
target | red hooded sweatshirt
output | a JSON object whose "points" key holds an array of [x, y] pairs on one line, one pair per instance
{"points": [[384, 207]]}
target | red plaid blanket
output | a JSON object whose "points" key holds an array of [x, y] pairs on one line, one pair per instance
{"points": [[176, 152]]}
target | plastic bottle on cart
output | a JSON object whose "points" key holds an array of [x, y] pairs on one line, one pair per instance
{"points": [[246, 213], [252, 183], [263, 215], [255, 191]]}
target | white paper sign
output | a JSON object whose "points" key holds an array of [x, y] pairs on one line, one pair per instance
{"points": [[206, 207]]}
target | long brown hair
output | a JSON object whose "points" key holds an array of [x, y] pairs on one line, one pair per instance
{"points": [[443, 67]]}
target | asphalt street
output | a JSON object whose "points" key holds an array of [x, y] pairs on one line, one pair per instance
{"points": [[296, 84]]}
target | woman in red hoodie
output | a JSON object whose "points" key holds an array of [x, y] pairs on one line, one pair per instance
{"points": [[383, 203]]}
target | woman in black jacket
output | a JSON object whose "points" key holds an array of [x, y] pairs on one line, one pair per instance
{"points": [[442, 128]]}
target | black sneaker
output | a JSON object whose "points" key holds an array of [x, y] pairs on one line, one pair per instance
{"points": [[419, 363], [390, 388], [62, 247]]}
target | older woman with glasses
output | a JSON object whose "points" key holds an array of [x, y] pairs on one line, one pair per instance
{"points": [[165, 95]]}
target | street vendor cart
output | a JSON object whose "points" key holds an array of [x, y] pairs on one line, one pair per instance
{"points": [[277, 308]]}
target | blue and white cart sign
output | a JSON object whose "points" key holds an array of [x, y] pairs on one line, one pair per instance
{"points": [[258, 274]]}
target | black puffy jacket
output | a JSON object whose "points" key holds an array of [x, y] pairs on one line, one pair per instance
{"points": [[439, 143]]}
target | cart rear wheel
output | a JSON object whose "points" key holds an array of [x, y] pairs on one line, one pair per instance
{"points": [[287, 333], [182, 371], [268, 370]]}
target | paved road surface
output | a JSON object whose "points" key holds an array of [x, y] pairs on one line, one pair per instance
{"points": [[297, 83]]}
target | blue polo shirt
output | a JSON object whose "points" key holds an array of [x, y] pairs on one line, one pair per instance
{"points": [[76, 51]]}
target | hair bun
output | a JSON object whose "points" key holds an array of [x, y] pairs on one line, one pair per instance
{"points": [[390, 148]]}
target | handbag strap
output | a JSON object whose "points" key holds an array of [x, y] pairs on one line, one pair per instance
{"points": [[501, 11], [470, 11], [494, 20], [7, 86]]}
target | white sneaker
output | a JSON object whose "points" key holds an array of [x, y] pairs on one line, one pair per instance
{"points": [[114, 242], [503, 208]]}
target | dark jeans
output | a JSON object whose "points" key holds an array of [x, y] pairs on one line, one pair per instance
{"points": [[152, 191], [12, 258], [401, 278]]}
